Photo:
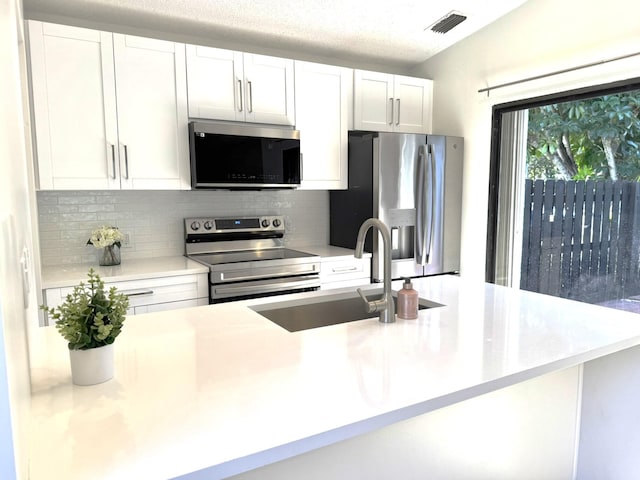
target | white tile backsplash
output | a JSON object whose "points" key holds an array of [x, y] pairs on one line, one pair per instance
{"points": [[154, 220]]}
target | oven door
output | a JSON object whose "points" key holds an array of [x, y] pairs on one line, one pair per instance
{"points": [[227, 292]]}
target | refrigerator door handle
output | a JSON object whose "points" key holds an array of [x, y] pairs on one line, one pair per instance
{"points": [[419, 244], [432, 199], [424, 204], [420, 193]]}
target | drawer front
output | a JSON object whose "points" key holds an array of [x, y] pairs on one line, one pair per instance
{"points": [[344, 270], [150, 291], [160, 307]]}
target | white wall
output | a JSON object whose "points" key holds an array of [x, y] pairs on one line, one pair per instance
{"points": [[7, 451], [539, 37], [15, 237]]}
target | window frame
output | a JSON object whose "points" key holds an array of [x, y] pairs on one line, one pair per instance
{"points": [[494, 155]]}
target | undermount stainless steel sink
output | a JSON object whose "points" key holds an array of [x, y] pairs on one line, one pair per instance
{"points": [[296, 315]]}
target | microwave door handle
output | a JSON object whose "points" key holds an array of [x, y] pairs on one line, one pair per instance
{"points": [[420, 199]]}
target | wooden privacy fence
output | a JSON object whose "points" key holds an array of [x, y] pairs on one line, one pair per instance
{"points": [[579, 239]]}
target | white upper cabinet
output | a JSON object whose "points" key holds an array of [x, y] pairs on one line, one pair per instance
{"points": [[152, 113], [228, 85], [100, 122], [111, 111], [74, 106], [270, 89], [392, 103], [322, 110], [214, 83]]}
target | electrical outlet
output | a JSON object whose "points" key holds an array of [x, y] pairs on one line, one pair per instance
{"points": [[126, 241]]}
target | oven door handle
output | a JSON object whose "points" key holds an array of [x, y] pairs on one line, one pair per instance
{"points": [[259, 274], [249, 289]]}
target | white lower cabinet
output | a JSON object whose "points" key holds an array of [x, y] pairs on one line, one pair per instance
{"points": [[344, 272], [151, 294]]}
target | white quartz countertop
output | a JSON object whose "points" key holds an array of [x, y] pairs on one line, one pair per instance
{"points": [[219, 389], [133, 269]]}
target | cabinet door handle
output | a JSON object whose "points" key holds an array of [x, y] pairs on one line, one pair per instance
{"points": [[250, 102], [126, 163], [398, 111], [391, 108], [239, 95], [351, 268], [136, 293], [113, 160]]}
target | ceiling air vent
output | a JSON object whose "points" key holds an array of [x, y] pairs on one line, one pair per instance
{"points": [[447, 22]]}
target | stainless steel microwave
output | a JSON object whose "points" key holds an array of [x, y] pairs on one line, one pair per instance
{"points": [[235, 156]]}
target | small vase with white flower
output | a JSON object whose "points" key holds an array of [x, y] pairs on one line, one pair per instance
{"points": [[109, 240]]}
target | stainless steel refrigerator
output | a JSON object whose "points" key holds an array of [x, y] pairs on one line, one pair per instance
{"points": [[413, 183]]}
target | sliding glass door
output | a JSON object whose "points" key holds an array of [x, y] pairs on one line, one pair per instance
{"points": [[565, 198]]}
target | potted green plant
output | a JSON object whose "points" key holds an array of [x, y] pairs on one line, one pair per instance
{"points": [[90, 319], [109, 240]]}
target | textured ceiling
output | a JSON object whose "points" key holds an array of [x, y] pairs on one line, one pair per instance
{"points": [[378, 31]]}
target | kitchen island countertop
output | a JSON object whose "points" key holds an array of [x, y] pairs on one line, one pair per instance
{"points": [[220, 389]]}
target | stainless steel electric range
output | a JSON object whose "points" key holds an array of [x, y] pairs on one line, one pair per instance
{"points": [[247, 258]]}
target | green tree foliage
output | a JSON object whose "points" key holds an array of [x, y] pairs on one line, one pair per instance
{"points": [[595, 138]]}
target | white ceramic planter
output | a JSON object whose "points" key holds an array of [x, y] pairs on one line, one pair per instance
{"points": [[92, 366]]}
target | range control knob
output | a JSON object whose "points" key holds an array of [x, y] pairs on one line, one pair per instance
{"points": [[208, 225], [265, 223], [195, 225], [276, 222]]}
